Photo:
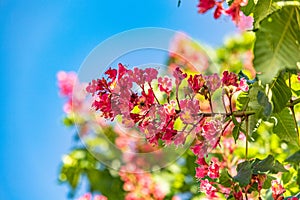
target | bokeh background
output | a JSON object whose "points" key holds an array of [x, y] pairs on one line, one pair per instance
{"points": [[39, 38]]}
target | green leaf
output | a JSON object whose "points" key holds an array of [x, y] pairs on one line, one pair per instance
{"points": [[267, 184], [281, 94], [253, 102], [277, 42], [295, 158], [242, 101], [236, 133], [285, 128], [262, 9], [262, 99], [298, 178], [248, 9], [104, 182], [244, 174], [267, 165], [225, 179]]}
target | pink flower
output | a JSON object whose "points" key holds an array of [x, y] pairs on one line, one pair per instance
{"points": [[243, 85], [189, 111], [179, 139], [205, 5], [201, 171], [179, 76], [170, 108], [211, 131], [245, 23], [165, 84], [213, 82], [213, 170], [141, 76], [277, 190], [200, 149], [208, 188], [66, 82]]}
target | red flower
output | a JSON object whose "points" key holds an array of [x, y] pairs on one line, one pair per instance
{"points": [[238, 195], [122, 70], [205, 5], [196, 82], [112, 74], [97, 85], [103, 103], [234, 12], [219, 10], [229, 79]]}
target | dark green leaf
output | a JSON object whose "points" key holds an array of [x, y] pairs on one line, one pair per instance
{"points": [[295, 158], [236, 133], [262, 99], [244, 174], [267, 165]]}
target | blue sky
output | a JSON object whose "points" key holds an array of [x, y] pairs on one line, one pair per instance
{"points": [[39, 38]]}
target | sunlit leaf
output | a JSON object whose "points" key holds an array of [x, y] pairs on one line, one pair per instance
{"points": [[277, 42], [284, 127], [281, 94]]}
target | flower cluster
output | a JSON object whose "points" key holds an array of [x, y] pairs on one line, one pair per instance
{"points": [[156, 118], [234, 10]]}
